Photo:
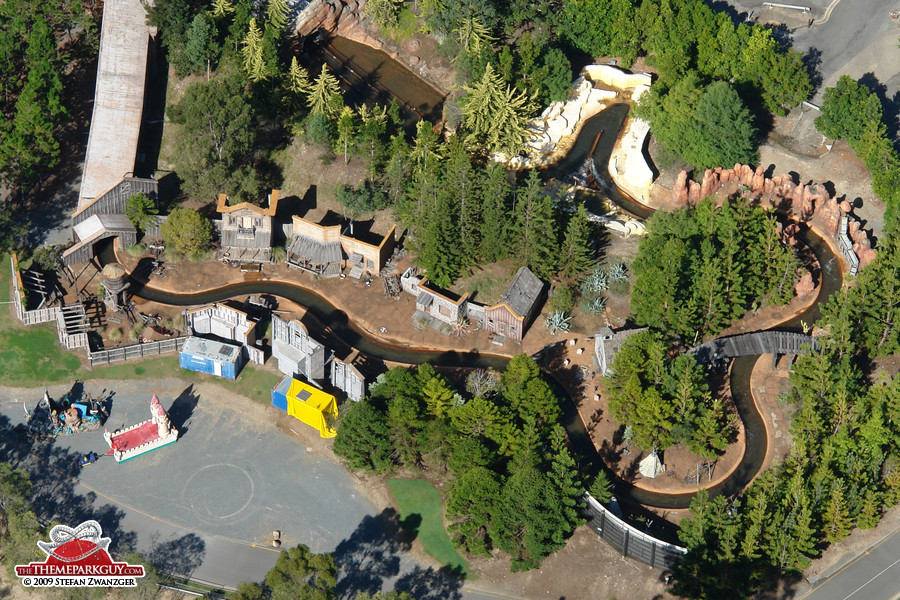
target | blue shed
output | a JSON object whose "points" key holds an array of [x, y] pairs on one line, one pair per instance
{"points": [[211, 357], [280, 393]]}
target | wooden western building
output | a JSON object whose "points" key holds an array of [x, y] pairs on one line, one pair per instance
{"points": [[245, 230], [517, 307], [326, 249]]}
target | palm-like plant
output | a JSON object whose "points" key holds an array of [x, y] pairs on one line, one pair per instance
{"points": [[595, 283], [595, 306], [617, 272], [558, 321]]}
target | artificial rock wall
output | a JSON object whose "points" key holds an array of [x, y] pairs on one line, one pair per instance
{"points": [[803, 203]]}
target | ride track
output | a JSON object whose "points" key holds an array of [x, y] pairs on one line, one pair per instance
{"points": [[608, 123]]}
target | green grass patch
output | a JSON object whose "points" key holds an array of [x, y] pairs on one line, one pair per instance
{"points": [[32, 357], [421, 513]]}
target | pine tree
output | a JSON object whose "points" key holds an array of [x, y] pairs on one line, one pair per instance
{"points": [[298, 79], [494, 232], [322, 93], [535, 229], [470, 510], [870, 513], [836, 521], [276, 16], [252, 53], [438, 396], [577, 256], [473, 35], [425, 150], [346, 128], [496, 115], [221, 8], [564, 472], [440, 255]]}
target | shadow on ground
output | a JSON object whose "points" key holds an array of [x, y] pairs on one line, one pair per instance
{"points": [[371, 557]]}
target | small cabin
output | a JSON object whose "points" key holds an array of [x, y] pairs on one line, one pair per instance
{"points": [[517, 307]]}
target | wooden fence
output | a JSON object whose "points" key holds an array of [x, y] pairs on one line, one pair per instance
{"points": [[629, 540], [133, 351]]}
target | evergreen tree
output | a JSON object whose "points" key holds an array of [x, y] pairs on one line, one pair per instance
{"points": [[577, 256], [495, 115], [363, 438], [426, 149], [251, 52], [439, 396], [441, 255], [202, 47], [186, 231], [724, 131], [298, 79], [276, 16], [470, 510], [346, 128], [836, 520], [322, 94], [299, 573], [535, 229], [221, 8], [494, 227]]}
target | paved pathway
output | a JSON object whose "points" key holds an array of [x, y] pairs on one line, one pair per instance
{"points": [[205, 507], [873, 575]]}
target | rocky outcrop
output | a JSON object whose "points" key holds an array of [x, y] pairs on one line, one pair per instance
{"points": [[338, 18], [804, 203]]}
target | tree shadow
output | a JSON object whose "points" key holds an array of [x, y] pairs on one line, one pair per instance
{"points": [[432, 584], [54, 497], [183, 408], [178, 556], [370, 555], [890, 107], [812, 60]]}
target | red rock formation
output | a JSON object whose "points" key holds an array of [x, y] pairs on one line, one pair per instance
{"points": [[805, 285]]}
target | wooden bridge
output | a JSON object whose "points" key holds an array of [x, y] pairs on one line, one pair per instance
{"points": [[761, 342]]}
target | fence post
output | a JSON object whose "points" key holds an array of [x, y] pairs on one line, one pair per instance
{"points": [[653, 555], [625, 544]]}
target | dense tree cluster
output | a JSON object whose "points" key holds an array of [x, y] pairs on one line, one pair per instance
{"points": [[665, 400], [710, 71], [515, 483], [215, 152], [699, 269], [186, 231], [851, 111], [844, 466], [680, 37], [707, 126]]}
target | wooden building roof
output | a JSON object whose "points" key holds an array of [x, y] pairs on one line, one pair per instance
{"points": [[222, 205], [523, 292]]}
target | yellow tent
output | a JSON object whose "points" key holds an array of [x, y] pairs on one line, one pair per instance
{"points": [[312, 406]]}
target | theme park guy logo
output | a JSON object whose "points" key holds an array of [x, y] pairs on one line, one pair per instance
{"points": [[78, 558]]}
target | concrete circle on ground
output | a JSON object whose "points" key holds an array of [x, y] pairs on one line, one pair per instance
{"points": [[221, 491]]}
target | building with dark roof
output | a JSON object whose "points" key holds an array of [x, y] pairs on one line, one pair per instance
{"points": [[245, 230], [517, 307]]}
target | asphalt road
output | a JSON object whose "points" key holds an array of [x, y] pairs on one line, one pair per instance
{"points": [[205, 507], [873, 575]]}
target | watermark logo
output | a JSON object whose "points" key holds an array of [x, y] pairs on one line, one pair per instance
{"points": [[78, 558]]}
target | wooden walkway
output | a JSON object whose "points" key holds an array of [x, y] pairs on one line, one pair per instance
{"points": [[761, 342]]}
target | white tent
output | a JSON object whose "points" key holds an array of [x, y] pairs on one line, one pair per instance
{"points": [[651, 466]]}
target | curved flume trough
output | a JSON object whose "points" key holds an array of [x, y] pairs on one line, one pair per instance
{"points": [[339, 324]]}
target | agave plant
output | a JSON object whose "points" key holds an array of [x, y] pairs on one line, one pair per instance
{"points": [[461, 327], [617, 272], [595, 306], [557, 321], [595, 283]]}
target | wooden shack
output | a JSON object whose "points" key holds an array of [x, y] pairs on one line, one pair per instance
{"points": [[517, 307]]}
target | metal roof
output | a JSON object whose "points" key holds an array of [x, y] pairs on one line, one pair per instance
{"points": [[314, 251]]}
